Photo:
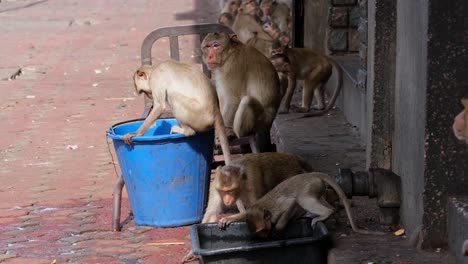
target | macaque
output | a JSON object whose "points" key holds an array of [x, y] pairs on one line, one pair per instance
{"points": [[460, 123], [231, 7], [281, 38], [291, 199], [246, 24], [247, 86], [315, 70], [229, 12], [190, 95], [250, 32], [226, 19], [279, 13], [247, 179]]}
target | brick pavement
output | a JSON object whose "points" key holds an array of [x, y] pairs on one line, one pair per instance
{"points": [[55, 203]]}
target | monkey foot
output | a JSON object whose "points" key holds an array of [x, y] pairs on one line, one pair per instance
{"points": [[317, 107], [230, 133], [301, 109], [190, 257]]}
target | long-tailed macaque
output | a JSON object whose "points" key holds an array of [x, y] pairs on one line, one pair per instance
{"points": [[190, 95], [291, 199], [247, 24], [229, 12], [231, 7], [226, 19], [247, 179], [247, 86], [315, 70], [281, 39], [279, 13]]}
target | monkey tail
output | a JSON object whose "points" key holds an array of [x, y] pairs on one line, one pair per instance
{"points": [[346, 204], [337, 91], [221, 132]]}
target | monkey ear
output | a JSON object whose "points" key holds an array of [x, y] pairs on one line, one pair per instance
{"points": [[234, 39], [142, 74], [266, 215]]}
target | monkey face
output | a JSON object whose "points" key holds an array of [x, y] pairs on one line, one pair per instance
{"points": [[233, 6], [229, 196], [212, 50], [265, 6], [249, 7], [226, 19], [280, 64]]}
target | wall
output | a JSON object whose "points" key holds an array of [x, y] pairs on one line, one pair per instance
{"points": [[331, 26], [316, 24], [410, 103], [431, 77]]}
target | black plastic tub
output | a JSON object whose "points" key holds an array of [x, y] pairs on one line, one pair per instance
{"points": [[298, 243]]}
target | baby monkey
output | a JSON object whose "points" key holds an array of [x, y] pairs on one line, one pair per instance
{"points": [[291, 199]]}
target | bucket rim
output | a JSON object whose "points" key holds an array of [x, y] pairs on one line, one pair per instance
{"points": [[110, 133]]}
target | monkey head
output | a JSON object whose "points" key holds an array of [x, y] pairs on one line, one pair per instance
{"points": [[265, 6], [272, 29], [281, 62], [228, 180], [248, 7], [233, 6], [259, 221], [215, 47], [226, 19], [141, 80]]}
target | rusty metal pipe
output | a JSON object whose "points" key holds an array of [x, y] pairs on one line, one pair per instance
{"points": [[379, 183]]}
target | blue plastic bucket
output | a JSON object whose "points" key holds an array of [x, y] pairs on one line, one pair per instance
{"points": [[166, 175]]}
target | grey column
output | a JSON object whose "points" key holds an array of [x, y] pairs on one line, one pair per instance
{"points": [[431, 77]]}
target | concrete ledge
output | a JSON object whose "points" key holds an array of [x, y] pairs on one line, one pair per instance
{"points": [[457, 226], [351, 101]]}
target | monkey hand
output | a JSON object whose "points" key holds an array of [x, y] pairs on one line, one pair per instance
{"points": [[128, 138], [225, 222]]}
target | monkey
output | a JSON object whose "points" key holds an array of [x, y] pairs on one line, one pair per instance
{"points": [[231, 7], [278, 12], [226, 19], [229, 12], [247, 24], [190, 95], [249, 30], [247, 86], [247, 179], [291, 199], [315, 70], [281, 39]]}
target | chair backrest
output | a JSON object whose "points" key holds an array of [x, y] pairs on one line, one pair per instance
{"points": [[173, 34]]}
